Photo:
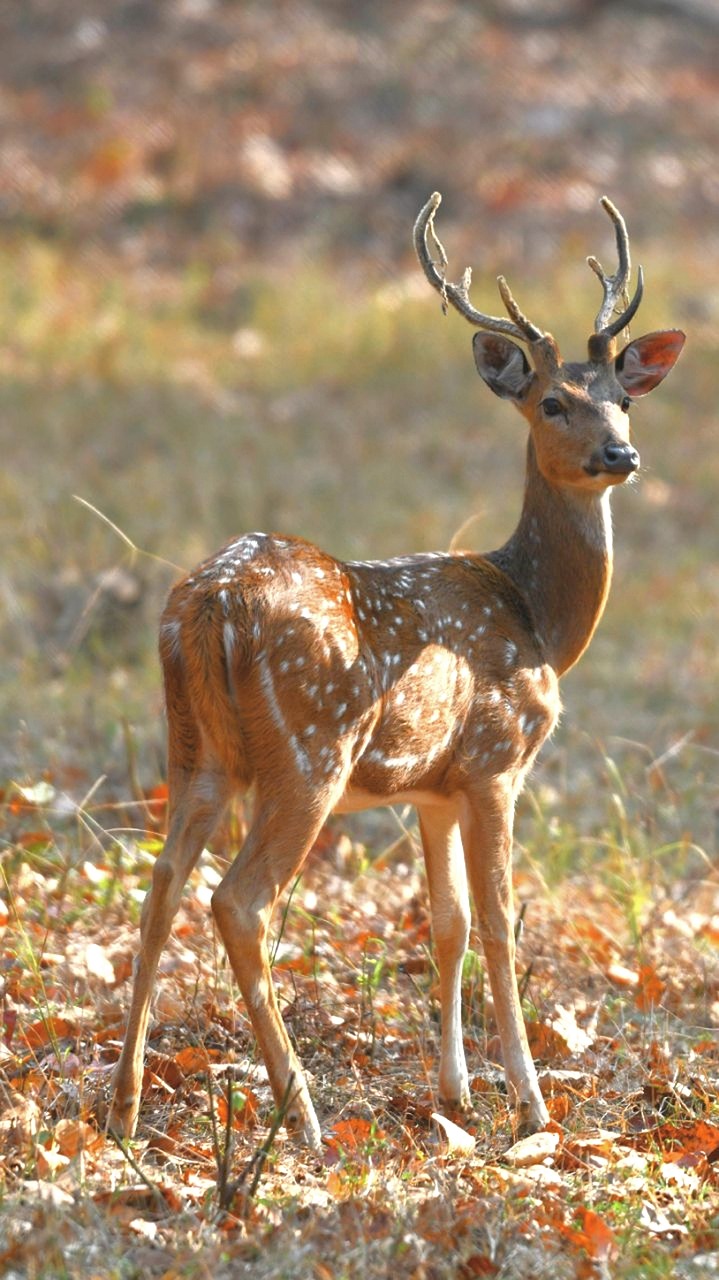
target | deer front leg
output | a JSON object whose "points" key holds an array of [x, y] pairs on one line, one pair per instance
{"points": [[449, 902], [486, 825]]}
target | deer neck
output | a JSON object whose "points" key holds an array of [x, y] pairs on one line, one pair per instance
{"points": [[560, 558]]}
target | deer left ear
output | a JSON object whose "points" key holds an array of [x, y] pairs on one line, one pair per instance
{"points": [[644, 363]]}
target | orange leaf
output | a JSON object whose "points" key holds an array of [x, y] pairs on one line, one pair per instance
{"points": [[111, 161], [245, 1105], [353, 1134], [338, 1185], [651, 988], [478, 1265], [545, 1042], [47, 1030], [559, 1106], [678, 1139], [73, 1136], [50, 1163], [301, 963], [151, 1080], [33, 839], [192, 1060], [600, 1241]]}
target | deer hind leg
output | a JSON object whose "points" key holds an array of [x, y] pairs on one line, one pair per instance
{"points": [[276, 846], [486, 824], [198, 801], [449, 902]]}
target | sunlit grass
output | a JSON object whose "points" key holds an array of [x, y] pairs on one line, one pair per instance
{"points": [[351, 416]]}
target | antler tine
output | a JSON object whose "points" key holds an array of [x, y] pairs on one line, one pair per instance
{"points": [[615, 287], [458, 294], [528, 329]]}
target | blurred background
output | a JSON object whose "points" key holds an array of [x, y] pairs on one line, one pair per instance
{"points": [[211, 321]]}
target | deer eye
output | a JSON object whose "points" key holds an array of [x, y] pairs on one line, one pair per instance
{"points": [[626, 404], [552, 407]]}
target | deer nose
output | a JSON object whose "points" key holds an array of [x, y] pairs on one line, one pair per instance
{"points": [[618, 459]]}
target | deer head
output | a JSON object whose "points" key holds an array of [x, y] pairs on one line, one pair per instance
{"points": [[577, 411]]}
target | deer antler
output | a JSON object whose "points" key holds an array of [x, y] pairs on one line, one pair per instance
{"points": [[615, 287], [458, 294]]}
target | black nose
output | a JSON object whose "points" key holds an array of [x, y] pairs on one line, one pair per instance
{"points": [[619, 459]]}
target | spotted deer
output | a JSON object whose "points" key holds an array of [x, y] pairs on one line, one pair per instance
{"points": [[430, 678]]}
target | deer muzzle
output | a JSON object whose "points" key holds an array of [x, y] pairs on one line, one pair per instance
{"points": [[615, 459]]}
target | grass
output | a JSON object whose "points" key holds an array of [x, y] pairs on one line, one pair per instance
{"points": [[355, 419]]}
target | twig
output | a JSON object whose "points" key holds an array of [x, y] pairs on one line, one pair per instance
{"points": [[524, 981], [155, 1190], [261, 1156], [228, 1190], [223, 1156]]}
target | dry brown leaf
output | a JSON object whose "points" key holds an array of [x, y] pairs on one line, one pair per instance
{"points": [[651, 987], [353, 1134], [245, 1107], [599, 1239], [73, 1136], [194, 1059], [581, 1148], [19, 1123], [458, 1141], [559, 1106], [47, 1031], [532, 1150], [679, 1139], [545, 1042], [50, 1162]]}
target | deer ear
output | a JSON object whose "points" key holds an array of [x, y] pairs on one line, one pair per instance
{"points": [[644, 363], [502, 364]]}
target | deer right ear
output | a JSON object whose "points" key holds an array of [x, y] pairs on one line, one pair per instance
{"points": [[503, 365], [644, 363]]}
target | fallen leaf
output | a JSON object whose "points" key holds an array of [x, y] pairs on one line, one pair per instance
{"points": [[47, 1031], [678, 1139], [478, 1265], [37, 794], [99, 965], [532, 1150], [73, 1136], [565, 1024], [193, 1059], [582, 1150], [245, 1106], [458, 1140], [48, 1193], [50, 1162], [354, 1134], [651, 988], [600, 1241], [658, 1224], [621, 976], [19, 1123], [545, 1042]]}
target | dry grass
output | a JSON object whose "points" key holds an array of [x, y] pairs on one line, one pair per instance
{"points": [[356, 421]]}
